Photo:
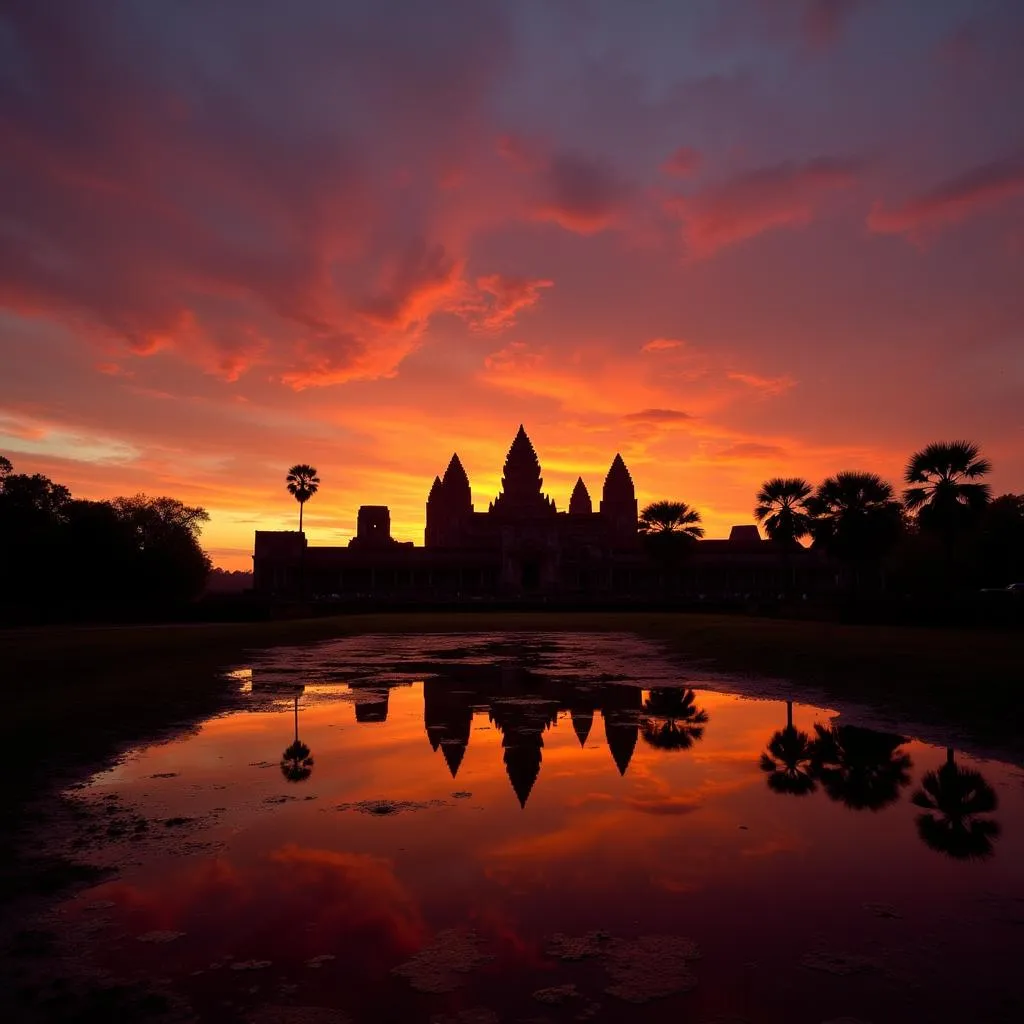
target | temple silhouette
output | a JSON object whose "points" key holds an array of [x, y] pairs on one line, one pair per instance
{"points": [[522, 545]]}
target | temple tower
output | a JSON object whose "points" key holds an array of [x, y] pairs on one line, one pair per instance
{"points": [[449, 506], [521, 482], [580, 503], [618, 502]]}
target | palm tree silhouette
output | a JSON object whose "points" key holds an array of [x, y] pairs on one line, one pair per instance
{"points": [[672, 721], [788, 760], [302, 483], [782, 507], [953, 797], [297, 759], [671, 517], [861, 768], [856, 517], [947, 472]]}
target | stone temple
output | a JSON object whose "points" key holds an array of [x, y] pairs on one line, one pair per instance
{"points": [[522, 545]]}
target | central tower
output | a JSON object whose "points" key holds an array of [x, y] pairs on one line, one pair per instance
{"points": [[521, 482]]}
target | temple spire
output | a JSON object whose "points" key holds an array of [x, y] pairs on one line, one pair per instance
{"points": [[580, 503], [521, 480]]}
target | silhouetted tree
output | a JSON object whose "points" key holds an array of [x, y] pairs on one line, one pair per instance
{"points": [[949, 497], [782, 507], [856, 518], [303, 483], [297, 760], [6, 467], [671, 517], [953, 797], [861, 768], [672, 720], [999, 543], [788, 760], [169, 565]]}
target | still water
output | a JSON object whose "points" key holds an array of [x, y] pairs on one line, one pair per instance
{"points": [[553, 827]]}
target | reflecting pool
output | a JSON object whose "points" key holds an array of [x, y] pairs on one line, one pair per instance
{"points": [[557, 827]]}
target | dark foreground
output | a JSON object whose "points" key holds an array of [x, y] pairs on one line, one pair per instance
{"points": [[76, 697]]}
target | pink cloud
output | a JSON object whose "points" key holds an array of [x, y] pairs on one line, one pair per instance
{"points": [[823, 20], [953, 201], [682, 163], [783, 195]]}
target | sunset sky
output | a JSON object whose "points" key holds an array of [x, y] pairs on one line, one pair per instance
{"points": [[730, 239]]}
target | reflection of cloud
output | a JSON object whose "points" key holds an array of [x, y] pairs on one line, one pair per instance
{"points": [[295, 903], [663, 805]]}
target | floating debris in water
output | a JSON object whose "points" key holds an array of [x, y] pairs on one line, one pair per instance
{"points": [[567, 947], [319, 961], [839, 963], [557, 995], [250, 965], [296, 1015], [461, 794], [882, 910], [383, 808], [436, 968], [159, 936], [165, 775], [650, 967]]}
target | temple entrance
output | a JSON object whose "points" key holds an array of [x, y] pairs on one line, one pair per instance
{"points": [[531, 574]]}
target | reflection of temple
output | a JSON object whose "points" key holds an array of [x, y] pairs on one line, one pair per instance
{"points": [[521, 545], [523, 709]]}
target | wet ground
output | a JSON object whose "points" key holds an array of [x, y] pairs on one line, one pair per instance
{"points": [[547, 827]]}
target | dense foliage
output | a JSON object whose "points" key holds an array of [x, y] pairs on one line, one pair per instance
{"points": [[62, 556]]}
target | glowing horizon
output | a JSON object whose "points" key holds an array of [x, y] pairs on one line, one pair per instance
{"points": [[729, 242]]}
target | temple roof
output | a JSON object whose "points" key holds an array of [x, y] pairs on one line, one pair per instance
{"points": [[435, 489], [455, 474], [580, 503], [618, 484]]}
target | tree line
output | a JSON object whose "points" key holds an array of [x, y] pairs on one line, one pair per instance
{"points": [[945, 528], [65, 556]]}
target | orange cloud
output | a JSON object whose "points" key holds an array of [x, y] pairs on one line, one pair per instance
{"points": [[766, 385], [953, 201], [501, 298], [661, 345], [658, 416], [783, 195]]}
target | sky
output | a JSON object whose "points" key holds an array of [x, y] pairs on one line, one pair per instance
{"points": [[730, 239]]}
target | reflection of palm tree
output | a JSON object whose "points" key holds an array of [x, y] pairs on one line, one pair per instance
{"points": [[861, 768], [788, 760], [953, 796], [297, 760], [672, 721]]}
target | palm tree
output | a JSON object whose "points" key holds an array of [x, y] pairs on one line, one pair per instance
{"points": [[946, 472], [953, 797], [856, 517], [671, 517], [782, 507], [788, 761], [672, 721], [302, 483], [861, 768], [297, 760]]}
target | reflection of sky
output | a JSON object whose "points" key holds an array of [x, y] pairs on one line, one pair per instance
{"points": [[367, 235], [687, 842]]}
